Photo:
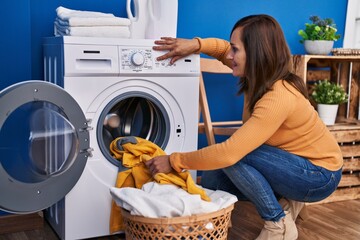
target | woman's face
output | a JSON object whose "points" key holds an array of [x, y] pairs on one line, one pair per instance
{"points": [[237, 54]]}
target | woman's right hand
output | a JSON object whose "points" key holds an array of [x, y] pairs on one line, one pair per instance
{"points": [[177, 47]]}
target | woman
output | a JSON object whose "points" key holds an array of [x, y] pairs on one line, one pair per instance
{"points": [[283, 148]]}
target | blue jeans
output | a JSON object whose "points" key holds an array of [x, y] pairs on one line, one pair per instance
{"points": [[269, 172]]}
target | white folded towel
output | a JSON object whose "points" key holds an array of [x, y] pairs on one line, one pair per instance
{"points": [[93, 21], [166, 200], [65, 13], [90, 24], [97, 31]]}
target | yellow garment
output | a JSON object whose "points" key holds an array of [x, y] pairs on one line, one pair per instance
{"points": [[282, 118], [133, 156]]}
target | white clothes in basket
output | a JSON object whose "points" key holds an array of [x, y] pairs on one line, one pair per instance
{"points": [[156, 200]]}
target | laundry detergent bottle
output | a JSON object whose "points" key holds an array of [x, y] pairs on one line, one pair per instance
{"points": [[140, 18], [162, 15]]}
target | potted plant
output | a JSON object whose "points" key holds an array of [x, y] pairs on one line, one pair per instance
{"points": [[328, 96], [318, 36]]}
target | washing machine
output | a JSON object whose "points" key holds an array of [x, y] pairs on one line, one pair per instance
{"points": [[123, 91], [119, 89]]}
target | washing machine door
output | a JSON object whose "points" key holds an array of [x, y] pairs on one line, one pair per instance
{"points": [[44, 145]]}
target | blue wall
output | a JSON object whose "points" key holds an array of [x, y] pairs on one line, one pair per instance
{"points": [[25, 22], [215, 18], [15, 42]]}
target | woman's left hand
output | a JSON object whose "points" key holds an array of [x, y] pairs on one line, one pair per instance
{"points": [[177, 48], [159, 164]]}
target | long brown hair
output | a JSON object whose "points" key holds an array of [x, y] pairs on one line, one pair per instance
{"points": [[268, 58]]}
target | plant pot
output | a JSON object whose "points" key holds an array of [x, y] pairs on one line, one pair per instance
{"points": [[318, 47], [327, 113]]}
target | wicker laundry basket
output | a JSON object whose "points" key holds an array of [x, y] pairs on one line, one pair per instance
{"points": [[208, 226]]}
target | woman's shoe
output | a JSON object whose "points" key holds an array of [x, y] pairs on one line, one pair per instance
{"points": [[284, 229], [295, 208]]}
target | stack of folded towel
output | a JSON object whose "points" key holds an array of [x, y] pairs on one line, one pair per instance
{"points": [[90, 24]]}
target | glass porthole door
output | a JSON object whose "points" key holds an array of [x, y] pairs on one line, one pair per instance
{"points": [[44, 145]]}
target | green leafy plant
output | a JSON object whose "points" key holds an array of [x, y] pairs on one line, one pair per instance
{"points": [[326, 92], [319, 29]]}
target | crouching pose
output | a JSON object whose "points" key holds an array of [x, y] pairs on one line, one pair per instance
{"points": [[283, 155]]}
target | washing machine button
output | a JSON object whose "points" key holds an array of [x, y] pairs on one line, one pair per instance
{"points": [[137, 59]]}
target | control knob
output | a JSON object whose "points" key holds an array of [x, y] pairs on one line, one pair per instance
{"points": [[137, 59]]}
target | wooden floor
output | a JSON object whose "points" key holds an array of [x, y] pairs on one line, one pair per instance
{"points": [[330, 221]]}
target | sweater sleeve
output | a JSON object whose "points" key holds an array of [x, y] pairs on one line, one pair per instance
{"points": [[216, 48], [269, 114]]}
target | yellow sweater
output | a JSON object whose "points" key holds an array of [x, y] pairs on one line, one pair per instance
{"points": [[282, 118]]}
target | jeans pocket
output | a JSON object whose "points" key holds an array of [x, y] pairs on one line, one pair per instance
{"points": [[323, 192]]}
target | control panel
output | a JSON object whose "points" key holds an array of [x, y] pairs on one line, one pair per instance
{"points": [[136, 59], [143, 60], [115, 57]]}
